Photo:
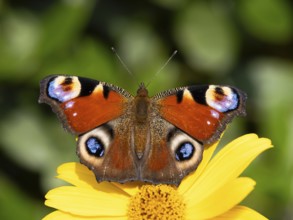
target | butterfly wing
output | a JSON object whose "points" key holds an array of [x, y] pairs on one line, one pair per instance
{"points": [[106, 150], [201, 111], [82, 104], [173, 154], [95, 111]]}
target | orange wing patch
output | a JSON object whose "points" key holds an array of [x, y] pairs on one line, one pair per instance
{"points": [[198, 120], [87, 112]]}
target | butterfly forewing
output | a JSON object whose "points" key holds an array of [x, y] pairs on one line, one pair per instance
{"points": [[201, 111], [82, 104]]}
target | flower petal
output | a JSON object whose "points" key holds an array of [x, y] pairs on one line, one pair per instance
{"points": [[191, 178], [240, 213], [79, 175], [207, 154], [221, 200], [131, 188], [59, 215], [87, 202], [228, 164]]}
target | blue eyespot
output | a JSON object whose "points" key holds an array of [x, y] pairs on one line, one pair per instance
{"points": [[184, 151], [63, 88], [230, 102], [223, 99], [53, 91], [95, 147]]}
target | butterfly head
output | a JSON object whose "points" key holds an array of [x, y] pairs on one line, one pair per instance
{"points": [[142, 90]]}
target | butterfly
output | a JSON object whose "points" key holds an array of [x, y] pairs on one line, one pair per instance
{"points": [[157, 139]]}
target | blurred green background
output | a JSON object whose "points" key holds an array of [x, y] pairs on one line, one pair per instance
{"points": [[245, 43]]}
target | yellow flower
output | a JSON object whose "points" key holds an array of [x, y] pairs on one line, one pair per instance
{"points": [[213, 191]]}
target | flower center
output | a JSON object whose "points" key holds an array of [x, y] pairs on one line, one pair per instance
{"points": [[156, 202]]}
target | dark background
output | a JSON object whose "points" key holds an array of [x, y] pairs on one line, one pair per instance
{"points": [[245, 43]]}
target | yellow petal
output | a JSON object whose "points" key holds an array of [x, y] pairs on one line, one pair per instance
{"points": [[131, 188], [240, 213], [79, 175], [87, 202], [228, 164], [221, 200], [58, 215], [208, 152], [191, 178]]}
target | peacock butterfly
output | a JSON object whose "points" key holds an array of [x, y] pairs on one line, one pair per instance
{"points": [[124, 138]]}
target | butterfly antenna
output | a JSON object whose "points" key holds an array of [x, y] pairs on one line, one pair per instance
{"points": [[123, 63], [160, 70]]}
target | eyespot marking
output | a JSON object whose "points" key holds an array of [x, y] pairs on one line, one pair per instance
{"points": [[63, 88], [67, 81], [184, 151], [219, 91], [95, 147], [223, 99]]}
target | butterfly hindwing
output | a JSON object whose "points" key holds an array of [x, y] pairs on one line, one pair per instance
{"points": [[107, 151], [81, 103], [172, 156], [201, 111]]}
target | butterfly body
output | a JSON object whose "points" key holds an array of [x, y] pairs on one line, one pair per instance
{"points": [[156, 139]]}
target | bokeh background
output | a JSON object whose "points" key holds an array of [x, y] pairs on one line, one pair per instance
{"points": [[245, 43]]}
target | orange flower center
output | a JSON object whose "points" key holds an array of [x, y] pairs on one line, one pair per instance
{"points": [[156, 202]]}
